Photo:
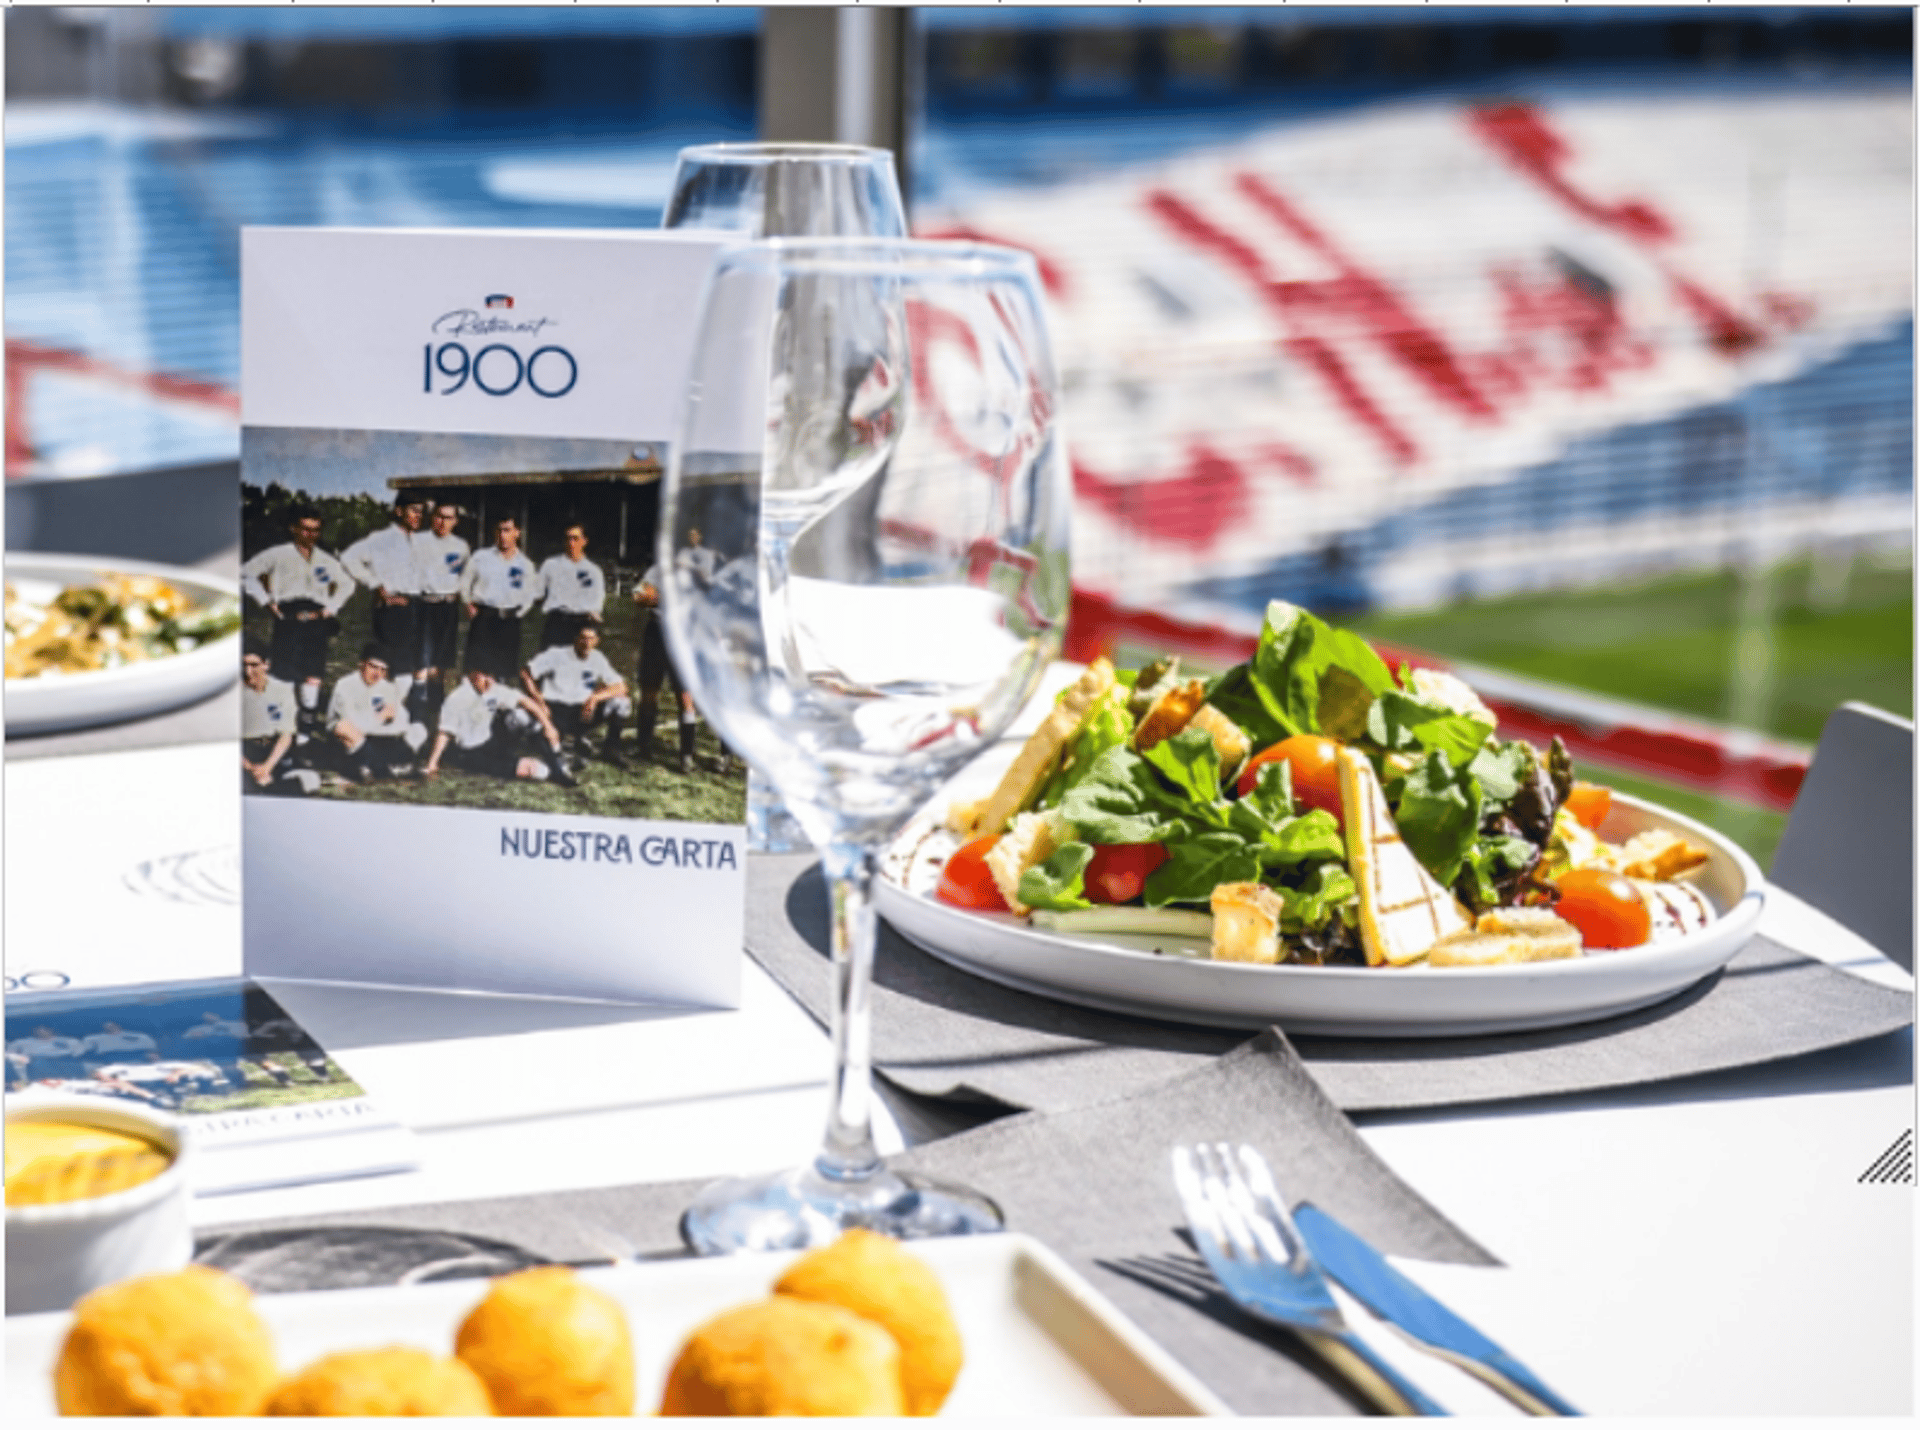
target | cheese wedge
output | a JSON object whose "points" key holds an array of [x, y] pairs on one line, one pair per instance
{"points": [[1030, 769], [1403, 910]]}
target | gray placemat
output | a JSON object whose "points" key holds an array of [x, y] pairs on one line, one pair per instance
{"points": [[1093, 1183], [942, 1032]]}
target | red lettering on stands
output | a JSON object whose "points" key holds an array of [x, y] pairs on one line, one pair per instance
{"points": [[1191, 509], [1369, 301], [1523, 137], [1307, 347], [1519, 133]]}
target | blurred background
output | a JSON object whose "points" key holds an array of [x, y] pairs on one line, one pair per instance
{"points": [[1572, 347]]}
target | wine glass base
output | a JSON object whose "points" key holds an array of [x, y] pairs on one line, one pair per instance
{"points": [[789, 1211]]}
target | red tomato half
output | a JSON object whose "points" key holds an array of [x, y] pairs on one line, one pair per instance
{"points": [[1589, 803], [1316, 771], [1117, 872], [1605, 907], [967, 883]]}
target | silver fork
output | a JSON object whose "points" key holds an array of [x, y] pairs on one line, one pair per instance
{"points": [[1244, 1231]]}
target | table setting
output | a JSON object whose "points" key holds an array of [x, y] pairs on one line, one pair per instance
{"points": [[1142, 1180]]}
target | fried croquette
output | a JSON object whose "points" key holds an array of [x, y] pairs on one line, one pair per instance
{"points": [[396, 1380], [785, 1356], [876, 1277], [546, 1343], [185, 1343]]}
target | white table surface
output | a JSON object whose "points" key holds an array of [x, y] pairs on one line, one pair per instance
{"points": [[1701, 1249]]}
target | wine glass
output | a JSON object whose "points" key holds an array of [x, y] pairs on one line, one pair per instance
{"points": [[776, 190], [869, 443], [781, 191]]}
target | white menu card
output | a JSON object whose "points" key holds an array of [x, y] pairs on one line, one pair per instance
{"points": [[466, 760]]}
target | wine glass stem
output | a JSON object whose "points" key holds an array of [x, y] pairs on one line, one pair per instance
{"points": [[849, 1153]]}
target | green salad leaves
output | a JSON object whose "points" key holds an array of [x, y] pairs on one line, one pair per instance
{"points": [[1474, 810]]}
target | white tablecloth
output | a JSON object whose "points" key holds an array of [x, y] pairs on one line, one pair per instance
{"points": [[1701, 1248]]}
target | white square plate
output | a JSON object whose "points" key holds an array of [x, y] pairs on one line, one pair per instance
{"points": [[1038, 1339]]}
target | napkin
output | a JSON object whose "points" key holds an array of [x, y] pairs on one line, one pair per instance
{"points": [[1093, 1183], [941, 1032]]}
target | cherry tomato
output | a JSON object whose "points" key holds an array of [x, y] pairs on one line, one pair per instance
{"points": [[1605, 907], [1589, 803], [967, 883], [1316, 771], [1117, 872]]}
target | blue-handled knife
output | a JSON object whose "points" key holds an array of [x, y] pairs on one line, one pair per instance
{"points": [[1389, 1295]]}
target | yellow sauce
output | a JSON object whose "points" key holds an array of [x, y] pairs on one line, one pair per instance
{"points": [[69, 1162]]}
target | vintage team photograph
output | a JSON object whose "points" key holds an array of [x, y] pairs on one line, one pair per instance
{"points": [[466, 621]]}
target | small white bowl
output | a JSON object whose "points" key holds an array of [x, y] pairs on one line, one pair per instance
{"points": [[59, 1251]]}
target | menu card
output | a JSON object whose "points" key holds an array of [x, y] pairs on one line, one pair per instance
{"points": [[265, 1104], [467, 759]]}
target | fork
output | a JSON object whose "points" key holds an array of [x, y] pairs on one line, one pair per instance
{"points": [[1245, 1233]]}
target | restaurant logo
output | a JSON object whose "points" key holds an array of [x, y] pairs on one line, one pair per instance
{"points": [[498, 367]]}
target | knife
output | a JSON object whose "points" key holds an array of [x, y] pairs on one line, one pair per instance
{"points": [[1389, 1295]]}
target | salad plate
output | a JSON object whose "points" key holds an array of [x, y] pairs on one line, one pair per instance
{"points": [[1155, 976], [39, 704]]}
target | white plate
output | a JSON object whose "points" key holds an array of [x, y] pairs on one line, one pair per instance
{"points": [[1038, 1340], [1123, 974], [41, 703]]}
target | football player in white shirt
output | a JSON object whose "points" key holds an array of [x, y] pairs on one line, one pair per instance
{"points": [[112, 1038], [443, 562], [269, 730], [656, 667], [50, 1054], [485, 727], [579, 688], [574, 590], [387, 563], [501, 584], [303, 588], [369, 719]]}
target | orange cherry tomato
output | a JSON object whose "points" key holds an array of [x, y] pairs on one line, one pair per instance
{"points": [[967, 883], [1605, 907], [1117, 872], [1589, 803], [1316, 771]]}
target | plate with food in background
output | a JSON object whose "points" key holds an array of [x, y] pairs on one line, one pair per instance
{"points": [[1315, 840], [92, 640]]}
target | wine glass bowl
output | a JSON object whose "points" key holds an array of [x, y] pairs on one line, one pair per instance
{"points": [[868, 453], [769, 190]]}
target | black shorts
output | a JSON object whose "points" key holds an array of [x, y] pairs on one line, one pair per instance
{"points": [[398, 629], [439, 633], [656, 666], [299, 650], [493, 643], [499, 757]]}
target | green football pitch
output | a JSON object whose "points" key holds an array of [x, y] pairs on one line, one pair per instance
{"points": [[1775, 650]]}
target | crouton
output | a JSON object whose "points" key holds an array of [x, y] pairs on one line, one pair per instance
{"points": [[1659, 855], [1170, 714], [1246, 923], [1230, 742], [1516, 935]]}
